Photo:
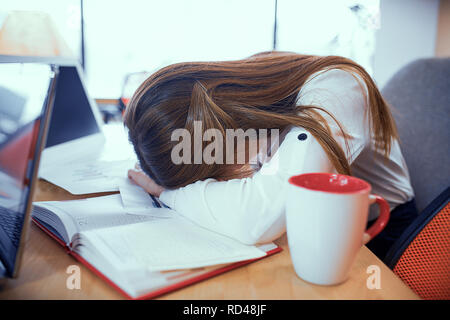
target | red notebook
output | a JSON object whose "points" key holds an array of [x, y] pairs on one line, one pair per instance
{"points": [[108, 241]]}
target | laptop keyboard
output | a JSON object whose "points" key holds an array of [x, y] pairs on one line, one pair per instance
{"points": [[11, 222]]}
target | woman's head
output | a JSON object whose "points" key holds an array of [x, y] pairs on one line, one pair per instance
{"points": [[259, 92]]}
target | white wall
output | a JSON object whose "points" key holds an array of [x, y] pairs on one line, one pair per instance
{"points": [[407, 32]]}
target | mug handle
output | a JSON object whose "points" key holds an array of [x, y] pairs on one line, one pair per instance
{"points": [[382, 220]]}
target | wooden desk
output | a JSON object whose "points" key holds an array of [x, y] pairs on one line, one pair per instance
{"points": [[43, 275]]}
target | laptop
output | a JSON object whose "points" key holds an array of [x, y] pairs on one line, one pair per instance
{"points": [[27, 92], [75, 116], [78, 156]]}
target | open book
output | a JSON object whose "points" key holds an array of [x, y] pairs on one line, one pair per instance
{"points": [[142, 254]]}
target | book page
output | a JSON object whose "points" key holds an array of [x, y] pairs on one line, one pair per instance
{"points": [[99, 212], [167, 245], [138, 282]]}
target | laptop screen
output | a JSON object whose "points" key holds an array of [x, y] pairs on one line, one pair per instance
{"points": [[72, 115], [23, 93]]}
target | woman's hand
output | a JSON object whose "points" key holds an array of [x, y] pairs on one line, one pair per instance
{"points": [[141, 179]]}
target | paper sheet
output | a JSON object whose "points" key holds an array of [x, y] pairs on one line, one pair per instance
{"points": [[90, 176], [91, 164], [136, 200]]}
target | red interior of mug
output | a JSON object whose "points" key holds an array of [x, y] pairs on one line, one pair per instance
{"points": [[330, 182]]}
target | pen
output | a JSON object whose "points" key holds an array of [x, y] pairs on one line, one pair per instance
{"points": [[155, 202]]}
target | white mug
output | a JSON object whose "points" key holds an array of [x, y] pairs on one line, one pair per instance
{"points": [[326, 218]]}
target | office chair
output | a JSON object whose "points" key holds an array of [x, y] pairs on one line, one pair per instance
{"points": [[419, 95], [421, 256]]}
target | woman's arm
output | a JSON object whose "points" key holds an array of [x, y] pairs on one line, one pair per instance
{"points": [[250, 210]]}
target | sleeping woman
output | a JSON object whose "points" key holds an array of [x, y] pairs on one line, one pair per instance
{"points": [[318, 114]]}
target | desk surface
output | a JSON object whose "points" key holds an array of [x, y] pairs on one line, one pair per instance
{"points": [[43, 274]]}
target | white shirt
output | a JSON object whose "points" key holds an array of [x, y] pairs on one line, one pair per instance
{"points": [[252, 209]]}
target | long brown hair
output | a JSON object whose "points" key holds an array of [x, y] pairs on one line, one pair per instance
{"points": [[259, 92]]}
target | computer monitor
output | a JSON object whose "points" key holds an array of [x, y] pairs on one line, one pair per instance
{"points": [[26, 100]]}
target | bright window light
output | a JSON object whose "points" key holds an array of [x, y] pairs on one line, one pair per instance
{"points": [[138, 35], [123, 37]]}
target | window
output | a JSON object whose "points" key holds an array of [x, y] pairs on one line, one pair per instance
{"points": [[122, 37], [138, 35], [326, 27]]}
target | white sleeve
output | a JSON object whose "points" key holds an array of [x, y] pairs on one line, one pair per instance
{"points": [[251, 210]]}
